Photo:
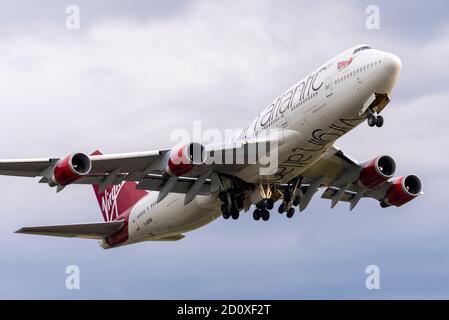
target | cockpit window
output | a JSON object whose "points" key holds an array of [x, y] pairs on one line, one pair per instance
{"points": [[361, 48]]}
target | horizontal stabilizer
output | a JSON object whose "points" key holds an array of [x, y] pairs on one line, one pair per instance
{"points": [[87, 230]]}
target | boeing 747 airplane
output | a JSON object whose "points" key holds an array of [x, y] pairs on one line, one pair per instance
{"points": [[159, 195]]}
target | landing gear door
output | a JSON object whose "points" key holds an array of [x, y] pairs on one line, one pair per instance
{"points": [[329, 88]]}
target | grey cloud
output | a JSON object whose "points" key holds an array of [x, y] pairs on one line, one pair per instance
{"points": [[133, 74]]}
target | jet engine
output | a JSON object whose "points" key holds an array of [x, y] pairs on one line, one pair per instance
{"points": [[185, 159], [403, 190], [377, 171], [70, 169]]}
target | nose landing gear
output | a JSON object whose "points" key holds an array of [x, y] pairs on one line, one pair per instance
{"points": [[374, 120]]}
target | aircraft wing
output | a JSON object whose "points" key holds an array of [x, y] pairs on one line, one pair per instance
{"points": [[98, 230], [102, 165], [148, 168], [25, 167], [340, 174]]}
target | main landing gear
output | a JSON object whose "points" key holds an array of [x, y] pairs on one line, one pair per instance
{"points": [[374, 120], [234, 200], [232, 204], [262, 210], [263, 206], [290, 199]]}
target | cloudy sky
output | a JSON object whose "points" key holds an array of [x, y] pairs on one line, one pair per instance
{"points": [[134, 72]]}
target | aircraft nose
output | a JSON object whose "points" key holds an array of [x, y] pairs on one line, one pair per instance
{"points": [[392, 64]]}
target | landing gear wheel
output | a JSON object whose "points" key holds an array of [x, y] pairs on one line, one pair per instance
{"points": [[225, 211], [235, 214], [257, 214], [379, 121], [269, 204], [290, 212], [281, 208], [372, 120], [296, 201], [265, 215]]}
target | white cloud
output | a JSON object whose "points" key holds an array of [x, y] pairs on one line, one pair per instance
{"points": [[120, 81]]}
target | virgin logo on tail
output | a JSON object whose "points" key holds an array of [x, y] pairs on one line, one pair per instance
{"points": [[109, 205]]}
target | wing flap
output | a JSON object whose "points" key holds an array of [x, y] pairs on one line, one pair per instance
{"points": [[86, 230], [331, 192], [182, 185], [126, 162]]}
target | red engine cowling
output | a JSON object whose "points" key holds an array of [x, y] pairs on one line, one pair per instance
{"points": [[70, 169], [403, 190], [185, 159], [377, 171]]}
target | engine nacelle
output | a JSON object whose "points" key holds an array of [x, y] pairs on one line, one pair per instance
{"points": [[70, 169], [185, 159], [377, 171], [403, 190]]}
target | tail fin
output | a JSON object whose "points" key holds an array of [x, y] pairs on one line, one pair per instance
{"points": [[116, 199]]}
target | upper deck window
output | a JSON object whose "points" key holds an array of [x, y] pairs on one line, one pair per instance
{"points": [[361, 48]]}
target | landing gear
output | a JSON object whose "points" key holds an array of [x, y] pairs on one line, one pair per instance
{"points": [[269, 194], [223, 196], [228, 211], [262, 210], [265, 215], [379, 121], [257, 214], [235, 214], [281, 208], [225, 211], [239, 202], [374, 120], [290, 213], [296, 201], [269, 204], [290, 199], [232, 203]]}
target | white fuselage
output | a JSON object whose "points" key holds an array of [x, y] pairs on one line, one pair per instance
{"points": [[310, 116]]}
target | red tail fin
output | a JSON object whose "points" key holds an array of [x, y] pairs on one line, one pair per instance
{"points": [[117, 199]]}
